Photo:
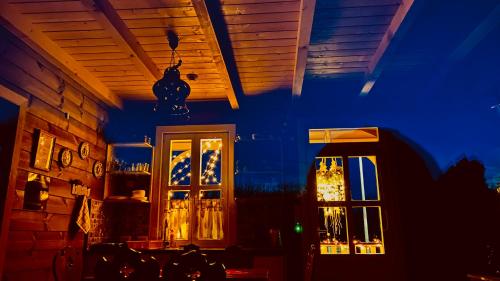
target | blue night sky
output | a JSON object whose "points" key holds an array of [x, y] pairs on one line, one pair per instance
{"points": [[436, 88]]}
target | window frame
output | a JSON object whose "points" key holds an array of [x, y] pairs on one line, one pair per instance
{"points": [[162, 184], [345, 152]]}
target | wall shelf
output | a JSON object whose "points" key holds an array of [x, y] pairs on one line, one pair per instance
{"points": [[128, 200]]}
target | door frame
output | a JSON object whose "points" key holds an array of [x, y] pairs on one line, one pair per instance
{"points": [[21, 101], [161, 133]]}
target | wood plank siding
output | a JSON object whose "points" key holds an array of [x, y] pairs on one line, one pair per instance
{"points": [[34, 237]]}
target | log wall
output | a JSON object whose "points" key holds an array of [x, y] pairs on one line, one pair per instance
{"points": [[34, 237]]}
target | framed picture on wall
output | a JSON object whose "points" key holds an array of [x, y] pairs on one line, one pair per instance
{"points": [[43, 149]]}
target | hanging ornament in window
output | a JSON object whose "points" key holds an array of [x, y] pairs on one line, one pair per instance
{"points": [[171, 90]]}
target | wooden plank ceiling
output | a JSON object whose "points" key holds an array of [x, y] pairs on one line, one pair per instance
{"points": [[346, 35], [122, 43]]}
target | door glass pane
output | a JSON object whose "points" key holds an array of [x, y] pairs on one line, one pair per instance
{"points": [[333, 231], [210, 161], [363, 178], [180, 162], [210, 215], [178, 215], [330, 179], [367, 230]]}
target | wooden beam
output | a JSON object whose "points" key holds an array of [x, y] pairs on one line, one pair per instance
{"points": [[109, 19], [208, 29], [477, 35], [306, 17], [374, 66], [16, 23]]}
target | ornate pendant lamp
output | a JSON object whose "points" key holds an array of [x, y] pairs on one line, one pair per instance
{"points": [[171, 90]]}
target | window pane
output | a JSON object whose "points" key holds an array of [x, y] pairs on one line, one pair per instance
{"points": [[180, 162], [367, 230], [330, 179], [333, 230], [178, 215], [363, 178], [210, 215], [210, 160]]}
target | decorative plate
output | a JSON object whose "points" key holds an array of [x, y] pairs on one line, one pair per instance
{"points": [[98, 169], [65, 157], [84, 150]]}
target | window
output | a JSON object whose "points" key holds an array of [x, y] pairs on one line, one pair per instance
{"points": [[349, 205], [196, 185]]}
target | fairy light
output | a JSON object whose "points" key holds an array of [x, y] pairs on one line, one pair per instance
{"points": [[208, 175], [330, 181], [174, 177]]}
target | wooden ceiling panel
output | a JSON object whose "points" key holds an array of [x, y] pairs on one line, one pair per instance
{"points": [[260, 8], [186, 38], [253, 36], [261, 18], [264, 50], [60, 17], [122, 43], [266, 74], [32, 7], [182, 31], [348, 12], [92, 49], [264, 43], [346, 34], [70, 25], [355, 3], [270, 64], [258, 69], [263, 27], [152, 13], [241, 2], [266, 57], [166, 60], [162, 22], [98, 42], [263, 35], [77, 35], [137, 4]]}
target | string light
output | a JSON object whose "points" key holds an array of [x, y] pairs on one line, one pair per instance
{"points": [[180, 171], [208, 175], [330, 181]]}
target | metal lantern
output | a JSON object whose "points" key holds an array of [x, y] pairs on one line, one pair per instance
{"points": [[171, 90]]}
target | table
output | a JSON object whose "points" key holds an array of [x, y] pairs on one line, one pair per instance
{"points": [[247, 273]]}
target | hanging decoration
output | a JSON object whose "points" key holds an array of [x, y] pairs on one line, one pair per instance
{"points": [[171, 91], [333, 221], [330, 180]]}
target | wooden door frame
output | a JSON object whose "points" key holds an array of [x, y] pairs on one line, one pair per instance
{"points": [[21, 101], [230, 129]]}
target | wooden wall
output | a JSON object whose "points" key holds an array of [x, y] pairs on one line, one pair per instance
{"points": [[35, 237]]}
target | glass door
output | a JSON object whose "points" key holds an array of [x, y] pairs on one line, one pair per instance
{"points": [[195, 184]]}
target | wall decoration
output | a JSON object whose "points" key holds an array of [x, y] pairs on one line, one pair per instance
{"points": [[98, 232], [84, 150], [43, 148], [36, 192], [98, 169], [77, 188], [65, 157]]}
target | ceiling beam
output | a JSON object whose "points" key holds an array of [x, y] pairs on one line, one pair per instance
{"points": [[306, 17], [208, 29], [477, 35], [109, 19], [16, 23], [375, 66]]}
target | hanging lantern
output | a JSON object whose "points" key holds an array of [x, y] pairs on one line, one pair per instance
{"points": [[171, 90]]}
